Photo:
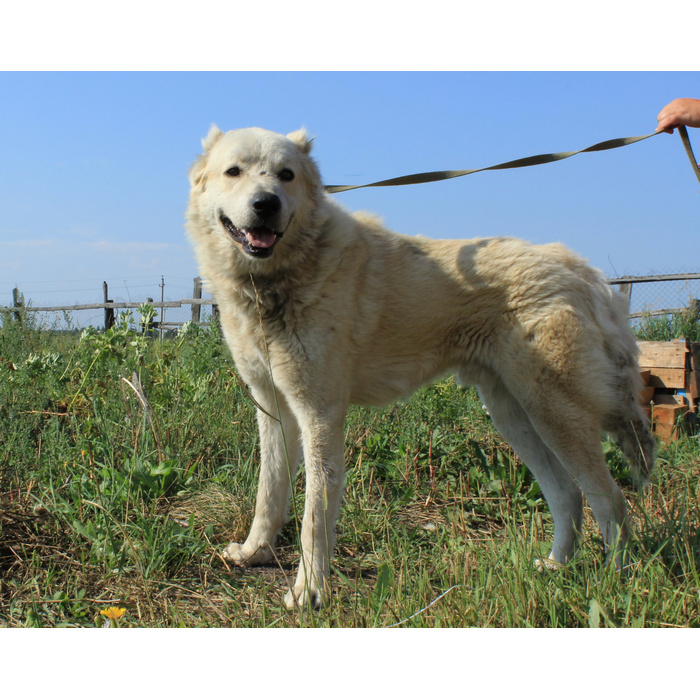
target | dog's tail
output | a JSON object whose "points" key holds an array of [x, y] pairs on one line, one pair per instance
{"points": [[632, 433], [626, 420]]}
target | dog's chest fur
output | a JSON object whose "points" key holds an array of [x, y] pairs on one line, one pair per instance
{"points": [[265, 322]]}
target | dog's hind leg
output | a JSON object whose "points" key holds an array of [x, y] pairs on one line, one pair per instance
{"points": [[563, 496], [573, 433], [280, 450]]}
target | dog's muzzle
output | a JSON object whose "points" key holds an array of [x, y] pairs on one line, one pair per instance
{"points": [[257, 241]]}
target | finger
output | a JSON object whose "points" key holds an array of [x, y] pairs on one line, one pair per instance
{"points": [[667, 122]]}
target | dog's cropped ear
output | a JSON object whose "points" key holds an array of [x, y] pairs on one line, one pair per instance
{"points": [[301, 140], [211, 138], [197, 170]]}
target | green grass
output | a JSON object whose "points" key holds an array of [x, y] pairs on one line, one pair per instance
{"points": [[669, 327], [105, 502]]}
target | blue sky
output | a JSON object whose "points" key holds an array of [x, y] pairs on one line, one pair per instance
{"points": [[93, 165]]}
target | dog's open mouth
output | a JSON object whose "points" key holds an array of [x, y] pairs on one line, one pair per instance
{"points": [[257, 241]]}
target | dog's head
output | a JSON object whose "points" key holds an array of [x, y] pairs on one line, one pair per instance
{"points": [[253, 186]]}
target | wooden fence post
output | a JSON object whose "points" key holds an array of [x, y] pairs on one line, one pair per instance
{"points": [[162, 308], [197, 294], [626, 291], [109, 311], [18, 303]]}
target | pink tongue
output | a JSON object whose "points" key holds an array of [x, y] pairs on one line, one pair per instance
{"points": [[261, 237]]}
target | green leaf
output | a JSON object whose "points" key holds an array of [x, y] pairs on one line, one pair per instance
{"points": [[385, 578], [594, 613], [163, 468]]}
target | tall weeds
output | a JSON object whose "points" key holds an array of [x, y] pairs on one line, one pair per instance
{"points": [[124, 494]]}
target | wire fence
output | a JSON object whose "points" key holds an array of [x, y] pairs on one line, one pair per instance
{"points": [[659, 295], [172, 310], [179, 302]]}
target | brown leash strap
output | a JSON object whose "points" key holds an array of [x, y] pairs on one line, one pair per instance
{"points": [[436, 176], [689, 150]]}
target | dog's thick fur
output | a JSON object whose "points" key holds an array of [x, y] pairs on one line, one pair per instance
{"points": [[322, 308]]}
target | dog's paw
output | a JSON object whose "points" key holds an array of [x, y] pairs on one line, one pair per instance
{"points": [[248, 555], [303, 596], [549, 564]]}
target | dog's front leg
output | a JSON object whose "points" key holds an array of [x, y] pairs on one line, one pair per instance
{"points": [[280, 449], [323, 441]]}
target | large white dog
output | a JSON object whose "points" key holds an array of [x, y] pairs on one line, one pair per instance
{"points": [[323, 308]]}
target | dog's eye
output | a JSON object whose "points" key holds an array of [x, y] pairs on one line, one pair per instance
{"points": [[287, 175], [235, 171]]}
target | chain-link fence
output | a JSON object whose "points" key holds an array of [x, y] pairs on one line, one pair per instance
{"points": [[660, 294]]}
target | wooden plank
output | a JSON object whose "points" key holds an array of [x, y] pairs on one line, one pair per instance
{"points": [[668, 432], [692, 390], [672, 400], [666, 413], [667, 362], [662, 378], [694, 349], [658, 312], [115, 305], [656, 278], [667, 354], [647, 395]]}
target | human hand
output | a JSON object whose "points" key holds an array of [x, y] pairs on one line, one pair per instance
{"points": [[684, 111]]}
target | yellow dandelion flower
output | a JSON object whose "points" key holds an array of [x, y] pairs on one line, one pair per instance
{"points": [[113, 613]]}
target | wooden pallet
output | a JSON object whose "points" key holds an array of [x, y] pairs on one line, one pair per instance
{"points": [[671, 371]]}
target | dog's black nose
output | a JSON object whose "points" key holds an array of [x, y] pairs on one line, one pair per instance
{"points": [[267, 204]]}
